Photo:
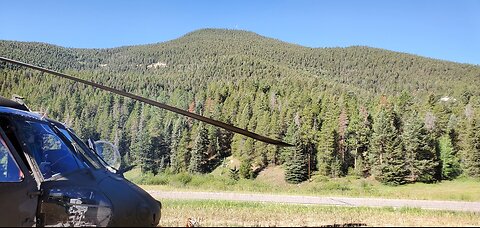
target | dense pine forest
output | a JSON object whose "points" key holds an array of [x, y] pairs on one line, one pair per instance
{"points": [[361, 111]]}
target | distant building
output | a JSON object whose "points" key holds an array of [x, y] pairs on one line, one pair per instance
{"points": [[446, 99]]}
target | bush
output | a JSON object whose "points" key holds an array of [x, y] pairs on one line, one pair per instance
{"points": [[150, 179], [182, 178], [246, 169], [234, 174], [158, 180]]}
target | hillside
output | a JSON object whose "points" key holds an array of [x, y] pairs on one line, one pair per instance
{"points": [[213, 52], [340, 105]]}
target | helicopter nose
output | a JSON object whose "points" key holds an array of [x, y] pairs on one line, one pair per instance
{"points": [[159, 213], [145, 212], [132, 206]]}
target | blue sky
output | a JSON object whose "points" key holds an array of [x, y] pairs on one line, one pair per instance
{"points": [[448, 30]]}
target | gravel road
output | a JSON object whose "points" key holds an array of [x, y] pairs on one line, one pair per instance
{"points": [[334, 201]]}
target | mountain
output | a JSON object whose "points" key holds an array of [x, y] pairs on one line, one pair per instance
{"points": [[208, 50], [255, 82]]}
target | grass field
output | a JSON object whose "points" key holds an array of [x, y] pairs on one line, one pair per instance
{"points": [[458, 190], [227, 213]]}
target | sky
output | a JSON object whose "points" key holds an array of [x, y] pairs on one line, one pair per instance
{"points": [[440, 29]]}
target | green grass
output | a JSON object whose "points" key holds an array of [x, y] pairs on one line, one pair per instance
{"points": [[229, 213], [459, 190]]}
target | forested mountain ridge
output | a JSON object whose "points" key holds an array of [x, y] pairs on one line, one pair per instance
{"points": [[338, 104], [359, 66]]}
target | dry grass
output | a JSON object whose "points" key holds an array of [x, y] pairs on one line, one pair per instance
{"points": [[227, 213], [272, 174]]}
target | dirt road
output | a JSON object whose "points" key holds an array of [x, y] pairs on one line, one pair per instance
{"points": [[334, 201]]}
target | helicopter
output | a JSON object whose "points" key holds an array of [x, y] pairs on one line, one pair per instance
{"points": [[50, 177]]}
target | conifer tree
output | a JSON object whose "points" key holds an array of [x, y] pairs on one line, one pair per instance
{"points": [[419, 145], [289, 137], [327, 156], [359, 136], [343, 154], [143, 147], [387, 156], [327, 160], [450, 162], [471, 148], [198, 158], [183, 153], [246, 169], [296, 166], [234, 174]]}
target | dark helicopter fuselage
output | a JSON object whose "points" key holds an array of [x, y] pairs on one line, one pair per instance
{"points": [[48, 177]]}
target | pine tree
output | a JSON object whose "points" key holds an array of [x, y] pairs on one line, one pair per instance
{"points": [[471, 148], [328, 161], [132, 126], [296, 167], [198, 158], [276, 132], [181, 157], [450, 163], [246, 169], [443, 112], [160, 139], [162, 165], [343, 154], [419, 145], [175, 162], [262, 148], [387, 156], [213, 155], [393, 171], [384, 134], [143, 147], [359, 135]]}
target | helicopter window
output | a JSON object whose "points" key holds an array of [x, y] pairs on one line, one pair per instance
{"points": [[51, 154], [9, 171], [7, 127]]}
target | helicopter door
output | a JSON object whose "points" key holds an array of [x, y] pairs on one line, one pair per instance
{"points": [[18, 190]]}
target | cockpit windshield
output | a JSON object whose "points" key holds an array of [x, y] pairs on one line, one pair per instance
{"points": [[52, 155]]}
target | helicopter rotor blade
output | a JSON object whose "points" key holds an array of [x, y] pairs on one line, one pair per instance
{"points": [[155, 103]]}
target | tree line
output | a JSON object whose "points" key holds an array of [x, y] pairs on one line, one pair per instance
{"points": [[353, 111]]}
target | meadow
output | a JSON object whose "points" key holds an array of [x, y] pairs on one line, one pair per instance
{"points": [[227, 213], [234, 213], [461, 189]]}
